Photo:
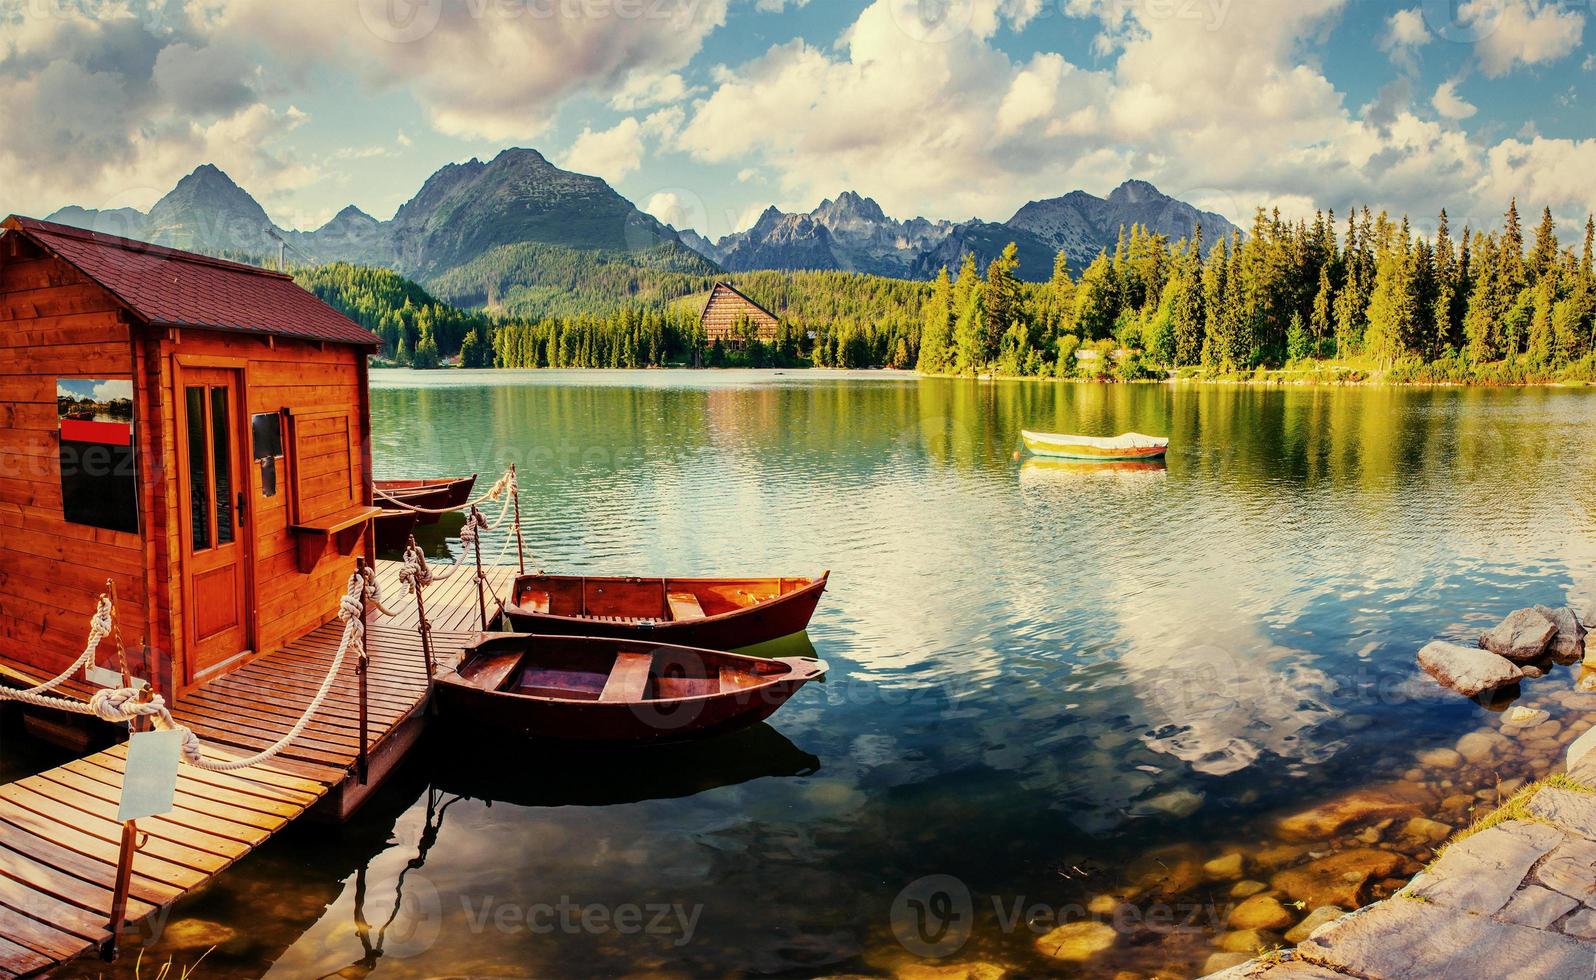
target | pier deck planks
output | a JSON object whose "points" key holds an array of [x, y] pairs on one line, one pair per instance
{"points": [[58, 832]]}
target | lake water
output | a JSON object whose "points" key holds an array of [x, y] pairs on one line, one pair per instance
{"points": [[1049, 682]]}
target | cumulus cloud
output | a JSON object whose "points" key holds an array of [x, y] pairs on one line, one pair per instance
{"points": [[107, 108], [1513, 33], [496, 71], [610, 153], [642, 90], [1451, 105], [1405, 34]]}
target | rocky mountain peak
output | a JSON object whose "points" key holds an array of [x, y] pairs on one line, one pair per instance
{"points": [[1135, 192]]}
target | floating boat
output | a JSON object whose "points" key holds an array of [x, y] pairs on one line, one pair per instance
{"points": [[601, 690], [443, 493], [393, 528], [718, 613], [1131, 445]]}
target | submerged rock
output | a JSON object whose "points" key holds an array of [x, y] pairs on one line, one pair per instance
{"points": [[1260, 912], [1523, 636], [1358, 807], [1423, 828], [950, 971], [1479, 746], [1247, 889], [1568, 644], [1227, 867], [1315, 919], [1077, 941], [1224, 961], [1338, 879], [1248, 940], [1466, 670], [1518, 718], [1440, 758], [187, 934]]}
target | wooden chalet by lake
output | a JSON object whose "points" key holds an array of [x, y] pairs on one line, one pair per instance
{"points": [[195, 430], [732, 318]]}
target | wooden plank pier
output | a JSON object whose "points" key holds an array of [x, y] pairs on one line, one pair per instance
{"points": [[58, 830]]}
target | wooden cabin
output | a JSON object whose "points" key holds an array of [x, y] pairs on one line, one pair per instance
{"points": [[732, 318], [195, 430]]}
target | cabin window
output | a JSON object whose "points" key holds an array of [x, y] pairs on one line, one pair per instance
{"points": [[99, 481], [199, 499], [221, 443], [266, 436]]}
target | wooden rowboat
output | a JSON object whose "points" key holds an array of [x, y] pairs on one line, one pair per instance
{"points": [[443, 493], [1131, 445], [393, 529], [601, 690], [718, 613]]}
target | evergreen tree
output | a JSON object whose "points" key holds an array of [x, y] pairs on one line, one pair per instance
{"points": [[1543, 257], [937, 330], [1002, 298], [1097, 299]]}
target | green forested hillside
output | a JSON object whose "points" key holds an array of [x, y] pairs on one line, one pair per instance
{"points": [[533, 280]]}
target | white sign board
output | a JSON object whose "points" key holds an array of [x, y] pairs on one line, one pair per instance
{"points": [[149, 786]]}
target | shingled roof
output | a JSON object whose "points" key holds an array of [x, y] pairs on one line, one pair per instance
{"points": [[166, 287], [727, 306]]}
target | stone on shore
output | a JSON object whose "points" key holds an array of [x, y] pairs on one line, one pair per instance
{"points": [[1537, 907], [1341, 878], [950, 971], [1260, 912], [1077, 942], [1523, 636], [1466, 670], [1480, 873], [1404, 938], [1318, 917], [1358, 807], [1568, 644]]}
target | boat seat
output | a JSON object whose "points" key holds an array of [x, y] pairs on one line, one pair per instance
{"points": [[622, 620], [628, 678], [684, 605]]}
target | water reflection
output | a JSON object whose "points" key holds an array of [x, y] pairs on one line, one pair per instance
{"points": [[1047, 683]]}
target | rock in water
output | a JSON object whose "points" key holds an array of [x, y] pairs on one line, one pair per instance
{"points": [[1077, 941], [1465, 670], [1315, 919], [1355, 808], [1338, 879], [1521, 637], [1568, 644], [1260, 912]]}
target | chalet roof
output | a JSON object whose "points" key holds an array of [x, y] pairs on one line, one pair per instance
{"points": [[724, 289], [167, 287]]}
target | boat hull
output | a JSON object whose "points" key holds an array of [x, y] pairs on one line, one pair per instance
{"points": [[1059, 447], [594, 722], [437, 494], [731, 629]]}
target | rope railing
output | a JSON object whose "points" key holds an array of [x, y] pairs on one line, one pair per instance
{"points": [[495, 492], [125, 704]]}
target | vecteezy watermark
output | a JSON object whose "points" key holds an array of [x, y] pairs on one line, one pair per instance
{"points": [[584, 918], [934, 916], [405, 21]]}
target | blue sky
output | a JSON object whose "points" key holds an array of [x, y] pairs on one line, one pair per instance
{"points": [[706, 111]]}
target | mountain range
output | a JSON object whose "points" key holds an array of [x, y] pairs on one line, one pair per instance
{"points": [[479, 230], [853, 233]]}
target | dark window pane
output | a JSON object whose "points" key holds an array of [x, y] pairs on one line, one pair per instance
{"points": [[222, 440], [267, 429], [199, 492]]}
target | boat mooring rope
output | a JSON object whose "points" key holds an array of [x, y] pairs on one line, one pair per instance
{"points": [[123, 704], [504, 483]]}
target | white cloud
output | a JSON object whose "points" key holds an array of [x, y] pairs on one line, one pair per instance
{"points": [[1521, 32], [1451, 105], [1405, 34], [493, 71], [642, 90], [777, 6], [610, 153]]}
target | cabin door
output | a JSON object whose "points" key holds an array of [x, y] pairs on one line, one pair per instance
{"points": [[214, 494]]}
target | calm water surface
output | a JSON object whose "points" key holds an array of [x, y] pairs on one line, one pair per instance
{"points": [[1049, 681]]}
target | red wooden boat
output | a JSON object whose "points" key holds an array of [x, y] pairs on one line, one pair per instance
{"points": [[443, 493], [393, 529], [601, 690], [718, 613]]}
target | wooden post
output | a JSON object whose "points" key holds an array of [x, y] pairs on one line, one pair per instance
{"points": [[520, 547], [360, 670], [422, 626], [476, 543]]}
